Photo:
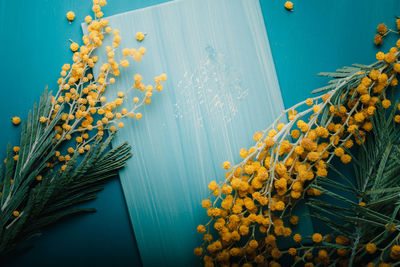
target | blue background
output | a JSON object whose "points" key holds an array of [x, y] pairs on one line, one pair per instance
{"points": [[317, 36]]}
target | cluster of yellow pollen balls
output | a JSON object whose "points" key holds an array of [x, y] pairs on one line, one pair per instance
{"points": [[85, 112], [253, 206]]}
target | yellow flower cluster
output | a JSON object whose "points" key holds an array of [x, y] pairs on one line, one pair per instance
{"points": [[253, 204], [139, 36], [383, 31], [70, 15], [85, 112], [289, 5], [16, 120]]}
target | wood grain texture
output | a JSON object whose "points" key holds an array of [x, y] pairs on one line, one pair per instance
{"points": [[221, 88]]}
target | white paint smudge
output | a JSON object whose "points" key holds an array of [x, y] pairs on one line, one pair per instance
{"points": [[213, 89]]}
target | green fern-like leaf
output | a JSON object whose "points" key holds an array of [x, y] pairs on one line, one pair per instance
{"points": [[57, 194], [366, 209]]}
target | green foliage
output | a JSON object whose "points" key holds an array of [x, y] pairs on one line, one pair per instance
{"points": [[57, 194], [377, 184], [350, 75]]}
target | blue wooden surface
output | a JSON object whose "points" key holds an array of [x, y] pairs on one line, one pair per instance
{"points": [[317, 36]]}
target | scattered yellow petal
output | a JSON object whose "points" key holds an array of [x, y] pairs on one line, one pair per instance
{"points": [[139, 36], [289, 5], [16, 120], [70, 15]]}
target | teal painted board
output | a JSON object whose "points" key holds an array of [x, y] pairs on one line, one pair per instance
{"points": [[221, 88]]}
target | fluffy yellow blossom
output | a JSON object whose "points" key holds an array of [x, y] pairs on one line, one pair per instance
{"points": [[294, 220], [142, 50], [395, 252], [386, 103], [198, 251], [70, 15], [16, 120], [96, 8], [390, 57], [212, 185], [243, 230], [253, 244], [226, 165], [88, 19], [365, 98], [378, 40], [292, 251], [359, 117], [269, 141], [382, 29], [275, 253], [289, 5], [74, 47], [295, 133], [308, 144], [43, 119], [299, 150], [322, 132], [316, 108], [322, 254], [342, 240], [339, 151], [206, 203], [345, 158], [297, 238], [139, 36], [257, 136], [313, 156], [317, 238], [367, 126], [243, 153], [370, 248], [226, 189], [309, 102], [382, 78], [163, 77], [396, 67], [380, 56], [280, 205], [374, 74], [124, 63], [201, 229], [371, 110]]}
